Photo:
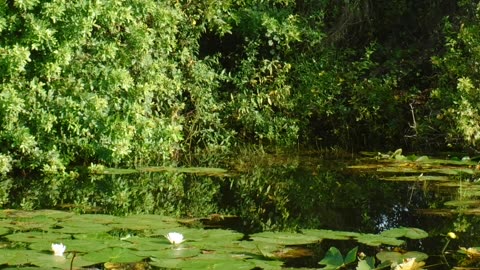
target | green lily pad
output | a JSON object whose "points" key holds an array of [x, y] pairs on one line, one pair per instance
{"points": [[43, 260], [145, 222], [172, 252], [256, 249], [9, 213], [411, 233], [51, 261], [144, 243], [377, 240], [329, 234], [4, 230], [284, 238], [55, 214], [216, 261], [115, 254], [42, 223], [77, 226], [16, 256], [193, 170], [93, 218], [267, 264], [211, 239], [32, 237], [392, 256], [72, 245], [414, 178]]}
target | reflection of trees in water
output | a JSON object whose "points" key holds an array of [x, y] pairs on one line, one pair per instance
{"points": [[291, 197]]}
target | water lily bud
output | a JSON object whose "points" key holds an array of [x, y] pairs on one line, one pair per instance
{"points": [[452, 235]]}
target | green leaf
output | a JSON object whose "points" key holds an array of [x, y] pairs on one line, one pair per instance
{"points": [[118, 255], [351, 255], [408, 232], [364, 265], [333, 259], [32, 237], [171, 252], [392, 256], [329, 234], [377, 240], [284, 238]]}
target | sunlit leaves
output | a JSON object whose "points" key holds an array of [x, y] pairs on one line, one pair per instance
{"points": [[95, 239], [5, 164], [92, 65], [14, 59], [334, 260], [25, 4]]}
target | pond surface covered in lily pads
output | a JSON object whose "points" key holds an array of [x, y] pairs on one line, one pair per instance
{"points": [[384, 211]]}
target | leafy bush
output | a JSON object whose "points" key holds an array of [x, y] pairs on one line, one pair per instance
{"points": [[458, 89], [101, 82]]}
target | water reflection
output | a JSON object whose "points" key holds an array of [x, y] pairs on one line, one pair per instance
{"points": [[282, 192]]}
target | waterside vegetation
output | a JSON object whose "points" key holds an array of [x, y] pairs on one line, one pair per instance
{"points": [[147, 83]]}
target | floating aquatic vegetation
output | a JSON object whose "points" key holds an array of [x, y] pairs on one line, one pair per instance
{"points": [[98, 239], [192, 170]]}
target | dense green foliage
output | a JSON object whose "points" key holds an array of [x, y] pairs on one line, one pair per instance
{"points": [[146, 82]]}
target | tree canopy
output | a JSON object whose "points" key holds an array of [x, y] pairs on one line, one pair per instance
{"points": [[147, 82]]}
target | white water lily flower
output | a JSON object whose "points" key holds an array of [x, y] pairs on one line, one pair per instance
{"points": [[410, 264], [58, 249], [175, 238]]}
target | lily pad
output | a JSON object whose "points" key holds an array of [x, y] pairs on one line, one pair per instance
{"points": [[329, 234], [94, 218], [284, 238], [392, 256], [144, 243], [32, 237], [193, 170], [212, 237], [377, 240], [145, 222], [72, 227], [414, 178], [72, 245], [118, 255], [42, 223], [216, 261], [4, 230], [43, 260], [171, 252], [408, 232]]}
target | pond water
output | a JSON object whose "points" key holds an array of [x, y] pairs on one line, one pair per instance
{"points": [[263, 211]]}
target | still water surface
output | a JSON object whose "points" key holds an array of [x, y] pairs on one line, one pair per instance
{"points": [[289, 193]]}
